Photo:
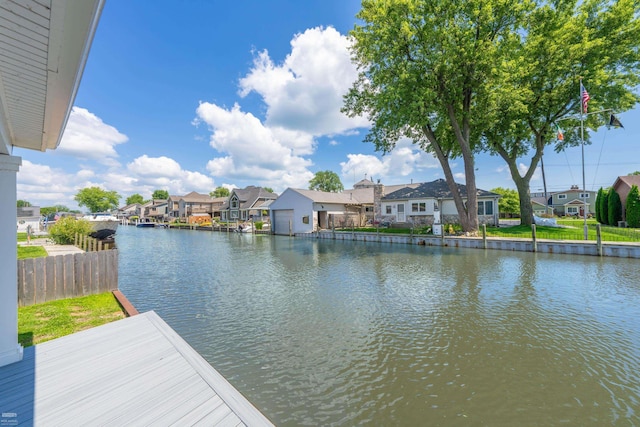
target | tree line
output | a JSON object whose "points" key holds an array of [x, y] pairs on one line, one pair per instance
{"points": [[496, 76]]}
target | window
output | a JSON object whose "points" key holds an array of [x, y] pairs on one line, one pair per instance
{"points": [[419, 207], [485, 207], [572, 209], [584, 195], [234, 203], [562, 196], [388, 211]]}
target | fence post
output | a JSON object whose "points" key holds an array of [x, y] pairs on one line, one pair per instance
{"points": [[533, 237], [598, 239], [484, 236]]}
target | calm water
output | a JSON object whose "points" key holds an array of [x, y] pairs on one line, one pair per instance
{"points": [[341, 333]]}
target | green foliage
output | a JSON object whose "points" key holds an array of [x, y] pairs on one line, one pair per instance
{"points": [[258, 225], [53, 209], [598, 207], [42, 322], [614, 208], [64, 230], [97, 200], [633, 207], [134, 198], [604, 208], [160, 195], [509, 202], [269, 189], [635, 173], [326, 181], [220, 192], [538, 86], [31, 252], [23, 204]]}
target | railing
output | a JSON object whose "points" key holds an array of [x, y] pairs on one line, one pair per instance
{"points": [[66, 276]]}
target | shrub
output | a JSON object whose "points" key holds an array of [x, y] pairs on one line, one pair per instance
{"points": [[604, 208], [633, 207], [63, 232], [599, 205], [615, 208], [258, 225]]}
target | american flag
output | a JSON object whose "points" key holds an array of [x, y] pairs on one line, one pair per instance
{"points": [[585, 98]]}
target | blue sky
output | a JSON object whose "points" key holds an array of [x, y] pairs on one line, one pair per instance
{"points": [[192, 95]]}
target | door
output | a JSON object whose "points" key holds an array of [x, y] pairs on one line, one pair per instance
{"points": [[400, 210], [281, 221]]}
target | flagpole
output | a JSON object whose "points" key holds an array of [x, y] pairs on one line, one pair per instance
{"points": [[584, 185]]}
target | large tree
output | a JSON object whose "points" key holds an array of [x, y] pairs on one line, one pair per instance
{"points": [[425, 73], [220, 192], [96, 199], [538, 89], [135, 198], [23, 204], [160, 195], [509, 202], [326, 181]]}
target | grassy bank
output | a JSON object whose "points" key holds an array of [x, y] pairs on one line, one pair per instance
{"points": [[31, 252], [43, 322]]}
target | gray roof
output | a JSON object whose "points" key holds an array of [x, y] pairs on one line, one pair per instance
{"points": [[346, 197], [437, 189], [249, 196]]}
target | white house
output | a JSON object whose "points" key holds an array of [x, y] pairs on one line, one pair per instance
{"points": [[305, 211], [416, 204], [48, 42]]}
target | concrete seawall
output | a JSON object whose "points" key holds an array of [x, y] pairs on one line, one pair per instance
{"points": [[569, 247]]}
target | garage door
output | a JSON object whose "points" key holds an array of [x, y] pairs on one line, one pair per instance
{"points": [[281, 220]]}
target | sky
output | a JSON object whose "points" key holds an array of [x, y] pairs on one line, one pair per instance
{"points": [[192, 95]]}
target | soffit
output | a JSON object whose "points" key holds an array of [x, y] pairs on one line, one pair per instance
{"points": [[43, 49]]}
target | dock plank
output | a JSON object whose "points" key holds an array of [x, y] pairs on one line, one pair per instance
{"points": [[132, 371]]}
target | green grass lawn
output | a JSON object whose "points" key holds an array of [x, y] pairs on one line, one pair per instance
{"points": [[43, 322], [609, 234], [31, 252]]}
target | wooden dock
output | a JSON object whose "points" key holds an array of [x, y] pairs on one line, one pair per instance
{"points": [[135, 371]]}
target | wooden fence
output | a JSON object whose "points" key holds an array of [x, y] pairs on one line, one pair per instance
{"points": [[66, 276]]}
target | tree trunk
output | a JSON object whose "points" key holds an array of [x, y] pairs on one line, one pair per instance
{"points": [[468, 215], [523, 182]]}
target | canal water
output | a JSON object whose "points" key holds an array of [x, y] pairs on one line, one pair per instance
{"points": [[318, 332]]}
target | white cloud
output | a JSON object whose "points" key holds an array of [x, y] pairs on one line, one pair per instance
{"points": [[305, 92], [148, 174], [253, 151], [404, 160], [88, 137]]}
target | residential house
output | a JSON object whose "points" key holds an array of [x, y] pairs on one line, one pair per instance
{"points": [[306, 211], [131, 210], [622, 186], [246, 204], [157, 210], [416, 204], [173, 207], [572, 202], [195, 205]]}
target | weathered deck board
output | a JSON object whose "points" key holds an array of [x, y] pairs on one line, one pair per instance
{"points": [[136, 371]]}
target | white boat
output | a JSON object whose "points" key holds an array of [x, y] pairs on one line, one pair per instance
{"points": [[103, 224]]}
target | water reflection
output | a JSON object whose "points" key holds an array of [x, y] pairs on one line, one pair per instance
{"points": [[342, 333]]}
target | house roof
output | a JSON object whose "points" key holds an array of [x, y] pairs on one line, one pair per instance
{"points": [[627, 180], [43, 50], [250, 196], [437, 189], [195, 197], [346, 197]]}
